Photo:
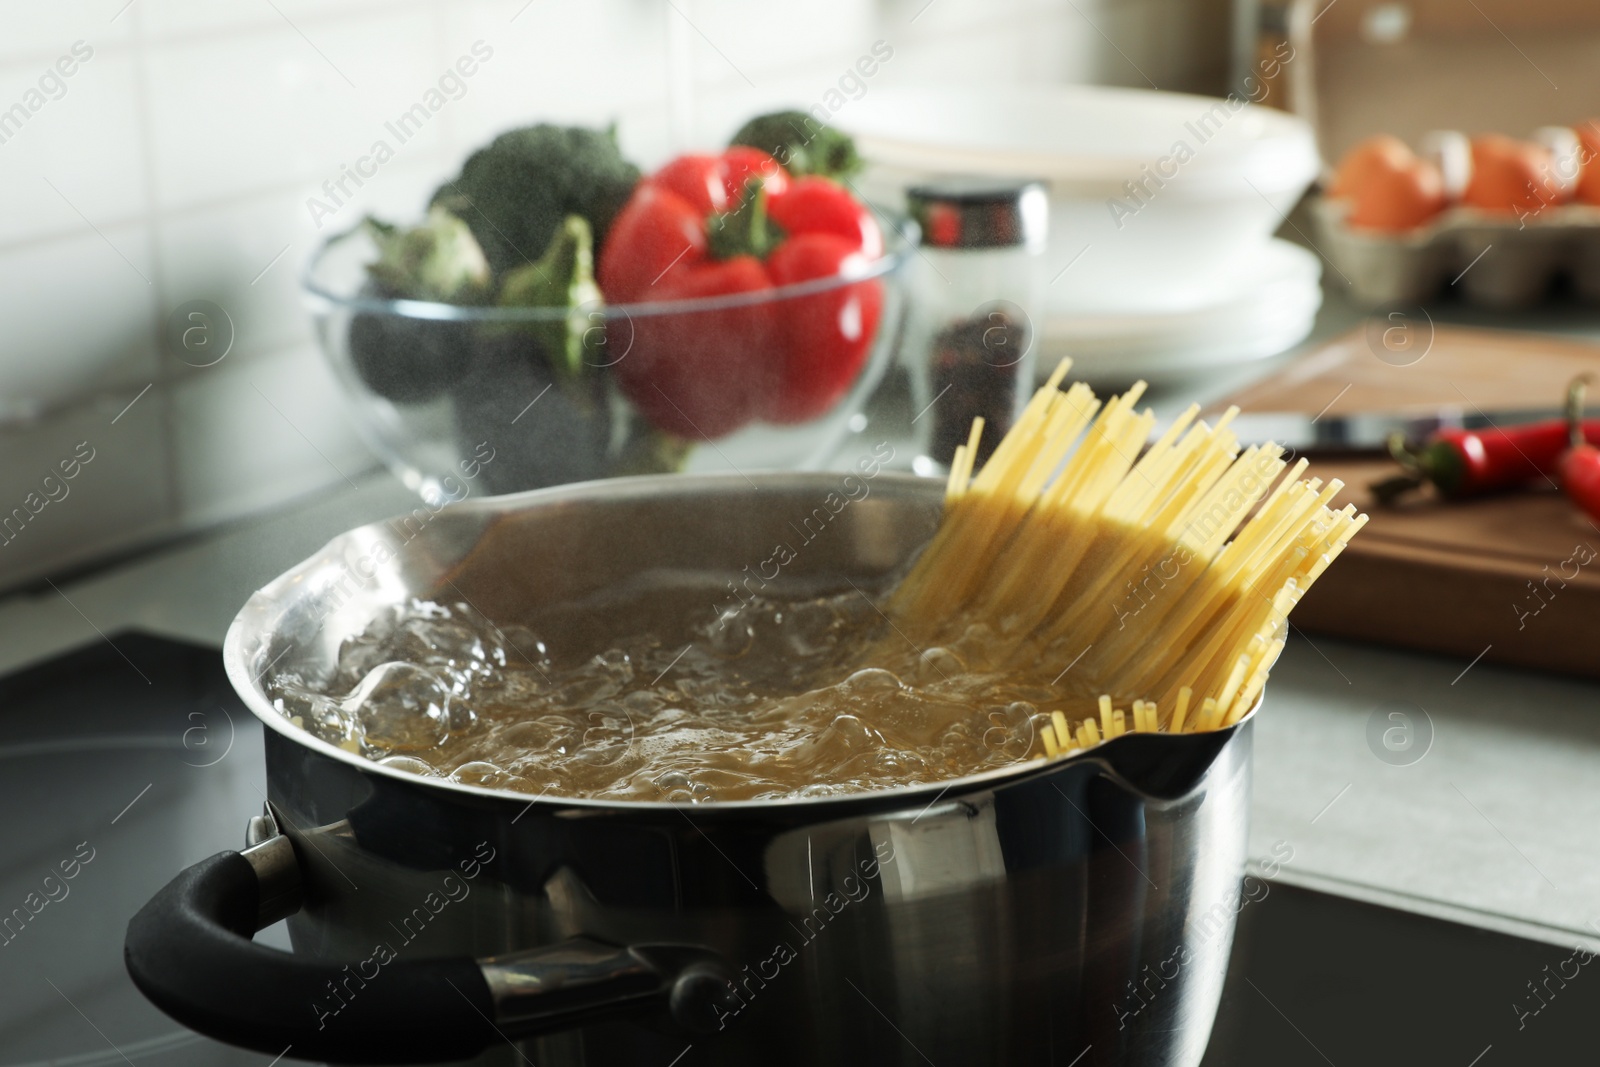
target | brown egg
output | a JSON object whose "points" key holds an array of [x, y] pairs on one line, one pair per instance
{"points": [[1588, 189], [1389, 187], [1510, 176], [1363, 158]]}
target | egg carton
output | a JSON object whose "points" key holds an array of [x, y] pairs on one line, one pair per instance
{"points": [[1499, 261]]}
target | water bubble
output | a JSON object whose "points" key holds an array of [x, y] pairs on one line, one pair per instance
{"points": [[514, 688], [958, 733], [461, 718], [608, 736], [535, 737], [480, 772], [445, 643], [319, 715], [938, 665], [850, 731], [731, 636], [428, 609], [871, 681], [897, 762], [681, 787], [809, 629], [585, 688], [357, 657], [669, 719], [689, 710], [401, 708], [981, 643], [642, 702], [1010, 731], [524, 649], [410, 764]]}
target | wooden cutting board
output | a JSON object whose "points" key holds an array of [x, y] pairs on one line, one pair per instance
{"points": [[1514, 578]]}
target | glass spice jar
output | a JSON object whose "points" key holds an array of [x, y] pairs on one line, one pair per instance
{"points": [[978, 291]]}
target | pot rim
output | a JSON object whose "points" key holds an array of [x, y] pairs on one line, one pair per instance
{"points": [[246, 682]]}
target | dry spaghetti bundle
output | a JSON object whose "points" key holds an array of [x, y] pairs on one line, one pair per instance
{"points": [[1165, 577]]}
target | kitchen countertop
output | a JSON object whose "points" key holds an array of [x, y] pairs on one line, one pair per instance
{"points": [[1492, 825]]}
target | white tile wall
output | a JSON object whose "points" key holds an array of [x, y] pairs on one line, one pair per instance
{"points": [[263, 429], [74, 143], [44, 30], [177, 163], [77, 311]]}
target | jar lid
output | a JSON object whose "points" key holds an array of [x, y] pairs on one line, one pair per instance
{"points": [[977, 212]]}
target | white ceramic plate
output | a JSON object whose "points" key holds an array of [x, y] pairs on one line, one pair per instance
{"points": [[1215, 178], [1271, 307]]}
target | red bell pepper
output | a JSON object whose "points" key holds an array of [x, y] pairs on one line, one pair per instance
{"points": [[735, 226]]}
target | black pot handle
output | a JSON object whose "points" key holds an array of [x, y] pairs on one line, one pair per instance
{"points": [[189, 950]]}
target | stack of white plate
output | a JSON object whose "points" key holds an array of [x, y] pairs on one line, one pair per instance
{"points": [[1271, 310], [1161, 257]]}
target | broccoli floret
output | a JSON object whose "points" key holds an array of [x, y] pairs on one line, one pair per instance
{"points": [[438, 260], [561, 278], [413, 360], [515, 192], [802, 144]]}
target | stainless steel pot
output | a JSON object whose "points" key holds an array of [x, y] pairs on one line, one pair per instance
{"points": [[1022, 916]]}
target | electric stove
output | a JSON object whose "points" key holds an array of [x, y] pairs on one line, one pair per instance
{"points": [[126, 760]]}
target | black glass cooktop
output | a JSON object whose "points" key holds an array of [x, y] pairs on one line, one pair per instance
{"points": [[128, 760], [1318, 979]]}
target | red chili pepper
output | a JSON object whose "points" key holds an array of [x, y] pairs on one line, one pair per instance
{"points": [[735, 225], [1462, 463], [1580, 467]]}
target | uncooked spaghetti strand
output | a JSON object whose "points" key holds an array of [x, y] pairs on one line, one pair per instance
{"points": [[1264, 541], [1207, 545], [1092, 459], [970, 456], [1063, 521], [951, 540], [952, 485], [1274, 522], [1207, 600], [1070, 419], [963, 528], [1041, 562], [1123, 563], [1258, 679], [1270, 557], [1016, 490], [1258, 552], [1050, 418], [1224, 516], [1206, 649], [1149, 476], [1255, 613], [1200, 462]]}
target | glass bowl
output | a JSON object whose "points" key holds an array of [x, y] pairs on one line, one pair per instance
{"points": [[465, 400]]}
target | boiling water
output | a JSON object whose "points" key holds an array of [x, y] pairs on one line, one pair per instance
{"points": [[652, 694]]}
